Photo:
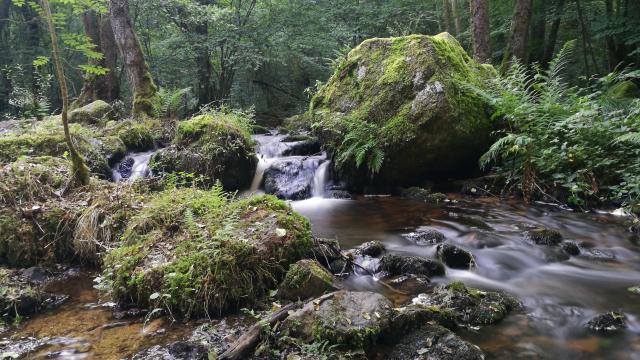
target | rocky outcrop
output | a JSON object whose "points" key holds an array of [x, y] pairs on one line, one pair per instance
{"points": [[402, 97], [213, 147], [92, 113]]}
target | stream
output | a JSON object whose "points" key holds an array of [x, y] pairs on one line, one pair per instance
{"points": [[559, 294]]}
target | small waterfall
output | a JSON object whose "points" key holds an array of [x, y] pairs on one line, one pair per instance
{"points": [[133, 166], [293, 170], [320, 179]]}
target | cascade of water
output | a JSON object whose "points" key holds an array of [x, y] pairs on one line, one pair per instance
{"points": [[320, 179], [133, 166]]}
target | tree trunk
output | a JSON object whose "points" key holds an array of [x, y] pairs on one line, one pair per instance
{"points": [[140, 80], [205, 88], [538, 31], [446, 13], [553, 34], [456, 16], [517, 46], [79, 169], [105, 87], [586, 41], [480, 30], [4, 14]]}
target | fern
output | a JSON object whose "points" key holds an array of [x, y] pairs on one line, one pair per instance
{"points": [[362, 145], [631, 138]]}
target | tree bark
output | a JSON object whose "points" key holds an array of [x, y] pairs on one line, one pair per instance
{"points": [[517, 46], [456, 17], [4, 14], [550, 46], [205, 88], [446, 13], [79, 169], [586, 41], [480, 30], [140, 80], [538, 31], [105, 87]]}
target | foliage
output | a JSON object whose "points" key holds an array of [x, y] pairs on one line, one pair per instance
{"points": [[29, 99], [177, 104], [362, 146], [576, 144]]}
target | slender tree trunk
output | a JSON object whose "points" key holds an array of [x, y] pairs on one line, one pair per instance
{"points": [[456, 17], [480, 30], [553, 34], [140, 80], [80, 170], [104, 87], [4, 14], [205, 88], [517, 46], [446, 13], [586, 41], [538, 31]]}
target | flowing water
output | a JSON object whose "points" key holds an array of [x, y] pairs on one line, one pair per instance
{"points": [[133, 166], [560, 296]]}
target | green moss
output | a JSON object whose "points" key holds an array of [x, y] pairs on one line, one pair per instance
{"points": [[202, 252], [426, 123], [95, 112]]}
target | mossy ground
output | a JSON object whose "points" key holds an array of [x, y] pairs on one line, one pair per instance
{"points": [[196, 252], [45, 220], [410, 89], [216, 147]]}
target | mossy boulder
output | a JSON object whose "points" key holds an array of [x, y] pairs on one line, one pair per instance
{"points": [[625, 90], [347, 318], [47, 139], [197, 252], [406, 98], [141, 134], [471, 306], [306, 279], [92, 113], [215, 147], [42, 221]]}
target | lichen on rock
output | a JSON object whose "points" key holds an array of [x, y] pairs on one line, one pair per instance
{"points": [[92, 113]]}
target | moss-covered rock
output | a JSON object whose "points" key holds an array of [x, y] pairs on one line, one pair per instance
{"points": [[42, 221], [625, 90], [347, 318], [92, 113], [216, 146], [305, 279], [471, 306], [47, 139], [197, 252], [404, 97]]}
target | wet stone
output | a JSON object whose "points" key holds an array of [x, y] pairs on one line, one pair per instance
{"points": [[431, 342], [370, 248], [570, 248], [339, 194], [425, 237], [543, 236], [611, 321], [403, 265], [409, 284], [125, 168], [596, 254], [455, 257], [303, 148], [305, 279]]}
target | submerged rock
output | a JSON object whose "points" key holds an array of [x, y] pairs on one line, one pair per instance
{"points": [[471, 306], [455, 257], [611, 321], [402, 265], [420, 194], [305, 279], [431, 342], [543, 236], [596, 254], [409, 284], [570, 248], [92, 113], [407, 90], [214, 147], [198, 252], [355, 319], [22, 294], [338, 194], [179, 350], [425, 237]]}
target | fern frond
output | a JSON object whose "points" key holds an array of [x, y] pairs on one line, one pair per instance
{"points": [[630, 137], [559, 63], [497, 149]]}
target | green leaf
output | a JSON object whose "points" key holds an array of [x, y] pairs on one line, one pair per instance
{"points": [[40, 61]]}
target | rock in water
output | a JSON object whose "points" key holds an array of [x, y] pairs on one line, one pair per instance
{"points": [[542, 236], [425, 237], [290, 178], [455, 257], [611, 321], [415, 265], [348, 318], [305, 279], [434, 342], [91, 113], [407, 92]]}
